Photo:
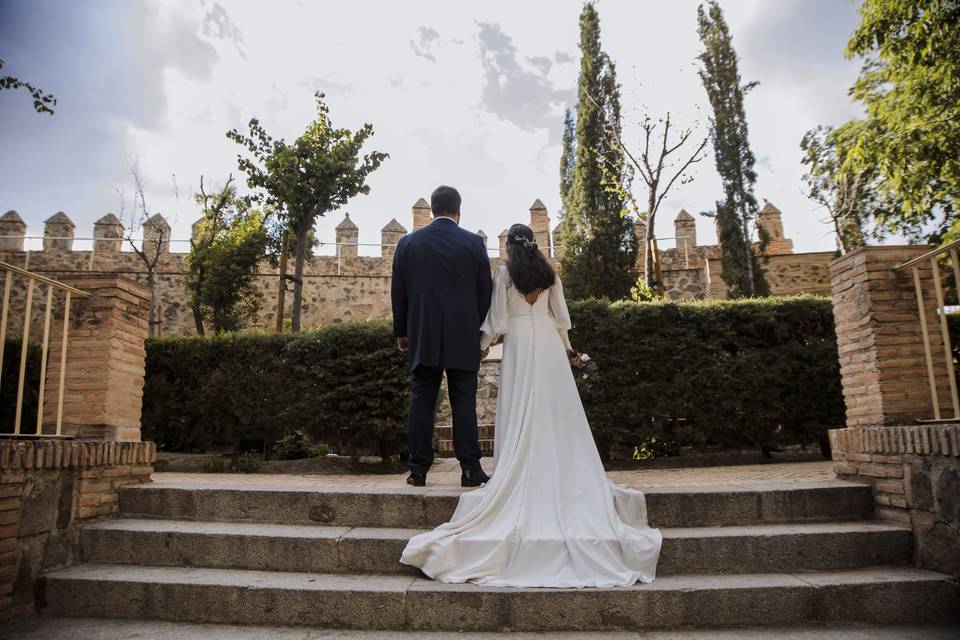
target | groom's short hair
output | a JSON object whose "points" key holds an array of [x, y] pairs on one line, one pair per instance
{"points": [[445, 201]]}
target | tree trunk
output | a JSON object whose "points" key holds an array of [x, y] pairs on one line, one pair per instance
{"points": [[282, 290], [195, 305], [152, 318], [748, 246], [197, 318], [648, 236], [298, 279]]}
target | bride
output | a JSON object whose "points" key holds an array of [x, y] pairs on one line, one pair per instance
{"points": [[549, 517]]}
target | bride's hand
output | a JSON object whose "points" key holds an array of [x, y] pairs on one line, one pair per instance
{"points": [[574, 358]]}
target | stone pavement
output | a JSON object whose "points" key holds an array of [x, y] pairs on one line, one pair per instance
{"points": [[445, 476], [47, 628]]}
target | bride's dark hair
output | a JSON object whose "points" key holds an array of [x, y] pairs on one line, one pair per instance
{"points": [[529, 269]]}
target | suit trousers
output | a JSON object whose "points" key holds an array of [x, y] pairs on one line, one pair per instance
{"points": [[462, 386]]}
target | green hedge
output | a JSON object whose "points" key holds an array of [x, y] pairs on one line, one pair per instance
{"points": [[345, 384], [761, 372], [9, 379], [746, 373]]}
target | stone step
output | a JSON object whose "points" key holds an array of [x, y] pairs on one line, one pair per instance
{"points": [[319, 549], [47, 628], [407, 507], [875, 595]]}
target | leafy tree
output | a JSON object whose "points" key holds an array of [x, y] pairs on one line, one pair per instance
{"points": [[226, 249], [910, 86], [319, 172], [599, 247], [42, 102], [850, 196], [737, 212]]}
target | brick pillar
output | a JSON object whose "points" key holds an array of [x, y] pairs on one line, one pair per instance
{"points": [[105, 359], [879, 340], [422, 216], [914, 469]]}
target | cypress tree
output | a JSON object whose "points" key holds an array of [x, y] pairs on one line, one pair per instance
{"points": [[567, 158], [599, 248], [737, 212]]}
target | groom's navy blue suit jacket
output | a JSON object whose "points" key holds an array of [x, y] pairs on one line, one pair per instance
{"points": [[441, 293]]}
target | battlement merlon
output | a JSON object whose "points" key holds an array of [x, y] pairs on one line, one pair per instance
{"points": [[108, 233]]}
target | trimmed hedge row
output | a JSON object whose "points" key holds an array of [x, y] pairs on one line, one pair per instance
{"points": [[758, 373], [755, 373], [345, 384]]}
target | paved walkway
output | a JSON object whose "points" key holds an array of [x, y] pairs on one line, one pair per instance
{"points": [[445, 475], [89, 629]]}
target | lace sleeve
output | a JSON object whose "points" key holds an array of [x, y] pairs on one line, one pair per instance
{"points": [[560, 313], [495, 324]]}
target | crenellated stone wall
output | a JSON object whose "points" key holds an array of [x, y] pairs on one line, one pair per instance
{"points": [[348, 286]]}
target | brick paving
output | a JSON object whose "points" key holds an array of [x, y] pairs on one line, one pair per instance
{"points": [[445, 475]]}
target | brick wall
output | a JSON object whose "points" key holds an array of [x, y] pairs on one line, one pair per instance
{"points": [[879, 337], [47, 489], [915, 474], [913, 467]]}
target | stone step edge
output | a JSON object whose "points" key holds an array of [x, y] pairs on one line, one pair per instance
{"points": [[877, 594], [59, 627], [257, 529], [256, 579], [436, 492]]}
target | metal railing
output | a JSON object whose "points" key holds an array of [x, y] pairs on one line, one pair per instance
{"points": [[33, 280], [933, 257]]}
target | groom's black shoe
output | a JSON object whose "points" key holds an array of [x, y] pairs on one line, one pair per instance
{"points": [[473, 478], [417, 479]]}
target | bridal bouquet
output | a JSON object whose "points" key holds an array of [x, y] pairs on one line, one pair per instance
{"points": [[587, 365]]}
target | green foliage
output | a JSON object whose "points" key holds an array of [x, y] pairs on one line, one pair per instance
{"points": [[910, 86], [599, 248], [222, 263], [318, 173], [9, 378], [850, 197], [248, 462], [568, 158], [754, 372], [737, 212], [345, 384], [737, 373], [643, 292], [297, 445], [42, 102]]}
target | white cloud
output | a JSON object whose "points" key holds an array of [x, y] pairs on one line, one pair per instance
{"points": [[479, 106]]}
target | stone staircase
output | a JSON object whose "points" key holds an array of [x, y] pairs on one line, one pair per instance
{"points": [[258, 554]]}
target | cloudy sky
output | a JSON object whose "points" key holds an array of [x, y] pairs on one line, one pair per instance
{"points": [[465, 93]]}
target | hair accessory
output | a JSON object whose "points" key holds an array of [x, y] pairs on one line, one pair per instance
{"points": [[526, 242]]}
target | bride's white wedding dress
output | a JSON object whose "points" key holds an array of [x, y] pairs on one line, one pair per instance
{"points": [[549, 517]]}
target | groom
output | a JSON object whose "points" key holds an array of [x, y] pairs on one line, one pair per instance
{"points": [[441, 294]]}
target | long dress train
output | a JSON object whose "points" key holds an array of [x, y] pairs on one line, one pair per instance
{"points": [[549, 517]]}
